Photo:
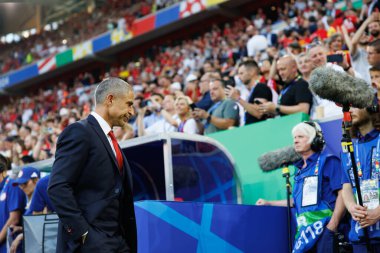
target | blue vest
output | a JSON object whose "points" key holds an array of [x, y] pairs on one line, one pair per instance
{"points": [[368, 168], [312, 219]]}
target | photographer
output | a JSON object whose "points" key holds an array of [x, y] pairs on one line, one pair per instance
{"points": [[316, 193]]}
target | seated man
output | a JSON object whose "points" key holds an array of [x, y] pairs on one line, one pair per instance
{"points": [[223, 114]]}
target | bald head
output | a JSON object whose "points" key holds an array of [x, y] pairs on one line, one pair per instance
{"points": [[287, 68]]}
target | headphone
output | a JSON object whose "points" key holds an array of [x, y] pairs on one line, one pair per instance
{"points": [[318, 142]]}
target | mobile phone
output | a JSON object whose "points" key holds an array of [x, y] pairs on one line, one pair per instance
{"points": [[192, 106], [335, 58]]}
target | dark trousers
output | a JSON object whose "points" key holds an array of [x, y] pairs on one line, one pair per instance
{"points": [[327, 243], [361, 248]]}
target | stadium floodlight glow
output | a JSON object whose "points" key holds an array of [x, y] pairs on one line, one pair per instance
{"points": [[54, 25], [33, 31], [47, 27], [25, 34], [9, 38], [16, 38], [3, 39], [64, 42]]}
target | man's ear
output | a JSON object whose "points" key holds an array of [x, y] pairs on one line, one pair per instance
{"points": [[109, 99]]}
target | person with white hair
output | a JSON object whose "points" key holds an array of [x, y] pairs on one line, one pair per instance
{"points": [[317, 192]]}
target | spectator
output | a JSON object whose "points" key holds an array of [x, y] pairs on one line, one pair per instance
{"points": [[223, 114], [304, 66], [183, 121], [373, 52], [259, 92], [204, 87], [357, 47], [257, 44], [161, 125], [295, 95], [318, 58]]}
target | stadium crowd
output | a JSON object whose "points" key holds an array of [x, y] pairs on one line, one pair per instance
{"points": [[76, 28], [181, 87], [235, 74]]}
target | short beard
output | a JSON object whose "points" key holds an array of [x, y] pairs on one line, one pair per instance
{"points": [[375, 33]]}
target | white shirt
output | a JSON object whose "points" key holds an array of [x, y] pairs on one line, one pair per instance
{"points": [[256, 44], [105, 127]]}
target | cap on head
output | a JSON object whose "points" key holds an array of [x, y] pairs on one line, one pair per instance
{"points": [[25, 174]]}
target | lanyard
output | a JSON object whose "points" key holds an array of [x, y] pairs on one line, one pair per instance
{"points": [[316, 169], [283, 92], [213, 108], [358, 164], [181, 126]]}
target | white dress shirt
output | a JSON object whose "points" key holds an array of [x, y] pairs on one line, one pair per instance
{"points": [[105, 127]]}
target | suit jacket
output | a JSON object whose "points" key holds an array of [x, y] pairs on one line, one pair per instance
{"points": [[85, 179]]}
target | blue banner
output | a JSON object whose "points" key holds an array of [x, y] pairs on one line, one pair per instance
{"points": [[189, 227], [167, 16], [101, 42], [23, 74]]}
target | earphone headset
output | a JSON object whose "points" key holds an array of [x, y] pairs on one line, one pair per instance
{"points": [[318, 142]]}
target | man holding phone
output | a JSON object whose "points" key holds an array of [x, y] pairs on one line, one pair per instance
{"points": [[249, 74]]}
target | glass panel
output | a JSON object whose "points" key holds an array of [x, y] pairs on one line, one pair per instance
{"points": [[202, 172], [147, 165]]}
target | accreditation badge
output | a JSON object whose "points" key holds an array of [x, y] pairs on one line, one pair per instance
{"points": [[310, 191], [370, 193]]}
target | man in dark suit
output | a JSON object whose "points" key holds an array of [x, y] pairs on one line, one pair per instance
{"points": [[91, 185]]}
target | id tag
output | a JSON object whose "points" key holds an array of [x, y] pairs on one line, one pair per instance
{"points": [[310, 191], [370, 193]]}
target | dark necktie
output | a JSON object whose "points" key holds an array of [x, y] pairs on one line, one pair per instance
{"points": [[119, 156]]}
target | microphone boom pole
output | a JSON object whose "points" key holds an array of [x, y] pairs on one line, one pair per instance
{"points": [[286, 175]]}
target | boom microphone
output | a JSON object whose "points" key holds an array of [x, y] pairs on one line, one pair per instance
{"points": [[278, 158], [341, 88]]}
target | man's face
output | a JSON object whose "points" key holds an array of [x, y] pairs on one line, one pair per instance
{"points": [[245, 75], [337, 44], [121, 109], [373, 56], [304, 64], [375, 79], [207, 67], [216, 91], [287, 70], [168, 103], [374, 29], [317, 56], [204, 84], [182, 107], [28, 187], [359, 116], [300, 141]]}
